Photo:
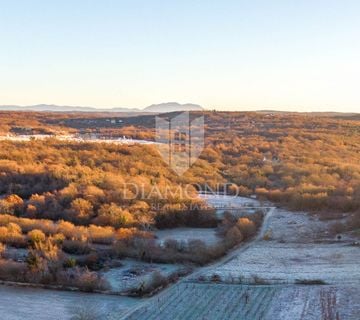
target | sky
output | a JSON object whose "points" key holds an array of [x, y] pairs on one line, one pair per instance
{"points": [[225, 54]]}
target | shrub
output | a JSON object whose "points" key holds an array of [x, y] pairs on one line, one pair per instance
{"points": [[156, 281], [268, 235], [246, 226], [258, 280], [233, 236], [66, 228], [310, 282], [11, 235], [14, 228], [89, 281], [2, 250], [91, 261], [12, 204], [85, 311], [75, 247], [70, 263], [103, 235], [58, 238], [81, 210], [113, 215], [36, 236], [12, 271], [215, 278]]}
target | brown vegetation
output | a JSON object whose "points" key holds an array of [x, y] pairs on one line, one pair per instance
{"points": [[62, 201]]}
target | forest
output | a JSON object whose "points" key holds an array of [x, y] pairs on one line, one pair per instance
{"points": [[59, 198], [303, 161]]}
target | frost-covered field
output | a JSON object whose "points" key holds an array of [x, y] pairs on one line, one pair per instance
{"points": [[271, 262], [298, 227], [291, 250], [238, 206], [297, 248], [208, 236], [30, 303], [195, 301], [132, 274], [224, 201], [315, 302]]}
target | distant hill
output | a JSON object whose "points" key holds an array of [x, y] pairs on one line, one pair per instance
{"points": [[172, 107], [155, 108], [56, 108]]}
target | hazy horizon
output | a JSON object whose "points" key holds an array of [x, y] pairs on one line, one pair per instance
{"points": [[229, 55], [141, 108]]}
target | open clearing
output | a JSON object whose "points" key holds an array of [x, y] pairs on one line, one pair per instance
{"points": [[224, 201], [283, 263], [30, 303], [195, 301], [132, 274], [297, 250], [208, 236]]}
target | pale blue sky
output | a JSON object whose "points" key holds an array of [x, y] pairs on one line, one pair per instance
{"points": [[279, 54]]}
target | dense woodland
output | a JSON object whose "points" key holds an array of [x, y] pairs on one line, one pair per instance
{"points": [[304, 161], [62, 197]]}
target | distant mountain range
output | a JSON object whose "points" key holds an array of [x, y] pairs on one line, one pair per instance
{"points": [[154, 108]]}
